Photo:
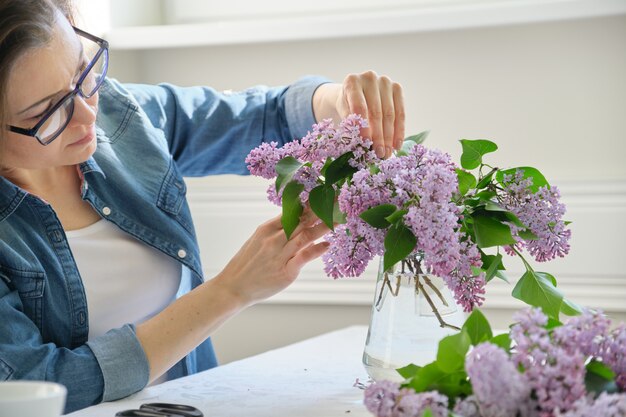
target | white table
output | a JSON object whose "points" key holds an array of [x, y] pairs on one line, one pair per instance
{"points": [[312, 378]]}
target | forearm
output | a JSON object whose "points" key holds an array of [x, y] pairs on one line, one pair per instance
{"points": [[177, 330]]}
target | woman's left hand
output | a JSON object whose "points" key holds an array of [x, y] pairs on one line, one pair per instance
{"points": [[373, 96]]}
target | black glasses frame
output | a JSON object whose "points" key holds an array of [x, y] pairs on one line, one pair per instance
{"points": [[104, 49]]}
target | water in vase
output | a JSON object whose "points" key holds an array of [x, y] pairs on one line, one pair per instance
{"points": [[403, 328]]}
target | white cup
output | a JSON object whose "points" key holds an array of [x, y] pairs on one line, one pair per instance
{"points": [[31, 399]]}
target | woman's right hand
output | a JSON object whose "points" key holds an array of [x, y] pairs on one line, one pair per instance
{"points": [[267, 262]]}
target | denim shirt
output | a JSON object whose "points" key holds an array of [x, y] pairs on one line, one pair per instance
{"points": [[149, 137]]}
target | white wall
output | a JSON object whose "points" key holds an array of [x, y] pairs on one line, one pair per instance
{"points": [[552, 95]]}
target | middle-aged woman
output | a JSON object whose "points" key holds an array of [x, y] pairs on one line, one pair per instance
{"points": [[101, 287]]}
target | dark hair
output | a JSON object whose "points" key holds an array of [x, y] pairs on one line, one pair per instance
{"points": [[24, 25]]}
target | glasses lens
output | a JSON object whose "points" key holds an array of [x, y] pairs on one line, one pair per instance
{"points": [[96, 74], [57, 121]]}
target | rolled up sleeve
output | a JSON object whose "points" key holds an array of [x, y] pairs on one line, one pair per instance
{"points": [[109, 367], [123, 362], [299, 104]]}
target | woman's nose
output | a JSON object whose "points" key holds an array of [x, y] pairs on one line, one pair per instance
{"points": [[85, 110]]}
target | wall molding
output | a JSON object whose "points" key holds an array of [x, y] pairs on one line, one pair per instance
{"points": [[361, 21], [230, 207]]}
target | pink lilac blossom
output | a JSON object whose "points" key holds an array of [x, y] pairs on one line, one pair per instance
{"points": [[584, 333], [606, 405], [542, 212], [423, 182], [411, 404], [555, 372], [386, 399], [496, 396], [352, 246], [613, 354], [467, 407], [380, 398]]}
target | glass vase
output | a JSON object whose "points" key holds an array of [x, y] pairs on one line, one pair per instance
{"points": [[412, 311]]}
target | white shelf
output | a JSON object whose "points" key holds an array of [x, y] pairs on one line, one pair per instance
{"points": [[432, 17]]}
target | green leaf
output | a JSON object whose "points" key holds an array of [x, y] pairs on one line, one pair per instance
{"points": [[399, 243], [467, 181], [503, 340], [490, 232], [410, 142], [340, 169], [486, 195], [570, 308], [526, 234], [375, 216], [538, 179], [396, 216], [485, 180], [292, 208], [452, 351], [409, 371], [339, 217], [552, 323], [473, 151], [426, 376], [599, 378], [322, 202], [502, 276], [477, 327], [493, 264], [537, 289], [431, 377], [285, 169], [491, 206], [427, 412], [329, 161]]}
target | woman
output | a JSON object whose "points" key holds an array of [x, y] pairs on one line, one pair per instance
{"points": [[101, 285]]}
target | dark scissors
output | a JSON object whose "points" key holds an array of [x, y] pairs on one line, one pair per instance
{"points": [[162, 410]]}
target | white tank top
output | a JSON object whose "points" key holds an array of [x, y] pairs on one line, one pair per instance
{"points": [[125, 280]]}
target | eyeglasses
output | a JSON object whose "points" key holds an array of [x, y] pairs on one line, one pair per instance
{"points": [[55, 120]]}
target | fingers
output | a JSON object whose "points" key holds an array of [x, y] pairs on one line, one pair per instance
{"points": [[307, 254], [399, 120], [304, 238], [381, 101]]}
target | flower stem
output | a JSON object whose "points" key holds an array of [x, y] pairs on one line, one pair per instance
{"points": [[442, 322]]}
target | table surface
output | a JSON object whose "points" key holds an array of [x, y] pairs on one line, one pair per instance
{"points": [[313, 378]]}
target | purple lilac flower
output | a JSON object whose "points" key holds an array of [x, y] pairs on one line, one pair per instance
{"points": [[584, 333], [263, 159], [542, 212], [424, 182], [613, 354], [467, 407], [352, 246], [606, 405], [412, 404], [555, 373], [380, 398], [496, 396]]}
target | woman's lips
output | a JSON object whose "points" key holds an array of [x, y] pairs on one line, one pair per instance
{"points": [[86, 139]]}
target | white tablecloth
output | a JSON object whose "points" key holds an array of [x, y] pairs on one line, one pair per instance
{"points": [[312, 378]]}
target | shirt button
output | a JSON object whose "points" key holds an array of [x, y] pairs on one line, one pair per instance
{"points": [[182, 253], [106, 211]]}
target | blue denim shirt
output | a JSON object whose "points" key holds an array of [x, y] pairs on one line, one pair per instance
{"points": [[149, 137]]}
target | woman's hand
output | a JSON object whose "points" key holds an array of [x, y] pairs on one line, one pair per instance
{"points": [[376, 98], [267, 262]]}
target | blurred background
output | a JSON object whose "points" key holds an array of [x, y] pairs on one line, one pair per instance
{"points": [[545, 80]]}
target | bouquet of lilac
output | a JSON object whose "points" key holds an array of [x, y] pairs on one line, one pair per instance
{"points": [[420, 205], [542, 369]]}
